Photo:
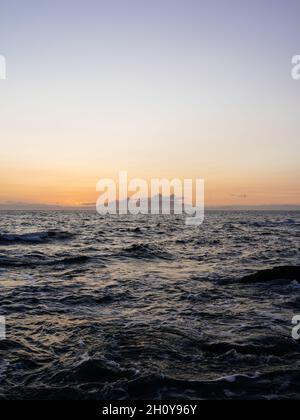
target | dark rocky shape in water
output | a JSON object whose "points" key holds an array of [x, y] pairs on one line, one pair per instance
{"points": [[276, 273]]}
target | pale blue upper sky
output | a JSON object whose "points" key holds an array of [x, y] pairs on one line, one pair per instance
{"points": [[181, 88]]}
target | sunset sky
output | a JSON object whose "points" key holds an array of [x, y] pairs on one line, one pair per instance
{"points": [[160, 88]]}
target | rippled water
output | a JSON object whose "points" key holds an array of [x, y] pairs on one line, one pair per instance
{"points": [[145, 307]]}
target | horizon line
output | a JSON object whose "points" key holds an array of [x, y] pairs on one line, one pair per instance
{"points": [[23, 206]]}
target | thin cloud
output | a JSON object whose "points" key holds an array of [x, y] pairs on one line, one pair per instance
{"points": [[244, 196]]}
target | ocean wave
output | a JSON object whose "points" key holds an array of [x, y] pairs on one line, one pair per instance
{"points": [[265, 346], [94, 380], [35, 237], [277, 273], [144, 252], [93, 299], [99, 370], [29, 262]]}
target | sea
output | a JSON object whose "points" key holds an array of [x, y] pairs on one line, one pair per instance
{"points": [[145, 307]]}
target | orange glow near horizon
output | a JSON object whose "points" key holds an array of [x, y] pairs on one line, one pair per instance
{"points": [[77, 187]]}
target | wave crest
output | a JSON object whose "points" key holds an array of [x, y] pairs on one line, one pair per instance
{"points": [[35, 237], [276, 273], [144, 251]]}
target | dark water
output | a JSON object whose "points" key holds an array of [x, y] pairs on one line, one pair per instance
{"points": [[126, 307]]}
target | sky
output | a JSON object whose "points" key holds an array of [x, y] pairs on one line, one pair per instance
{"points": [[172, 88]]}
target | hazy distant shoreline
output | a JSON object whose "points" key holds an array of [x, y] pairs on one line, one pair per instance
{"points": [[47, 207]]}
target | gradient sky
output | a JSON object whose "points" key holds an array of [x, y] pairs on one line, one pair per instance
{"points": [[164, 88]]}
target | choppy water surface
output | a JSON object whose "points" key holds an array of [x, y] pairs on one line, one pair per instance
{"points": [[127, 307]]}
